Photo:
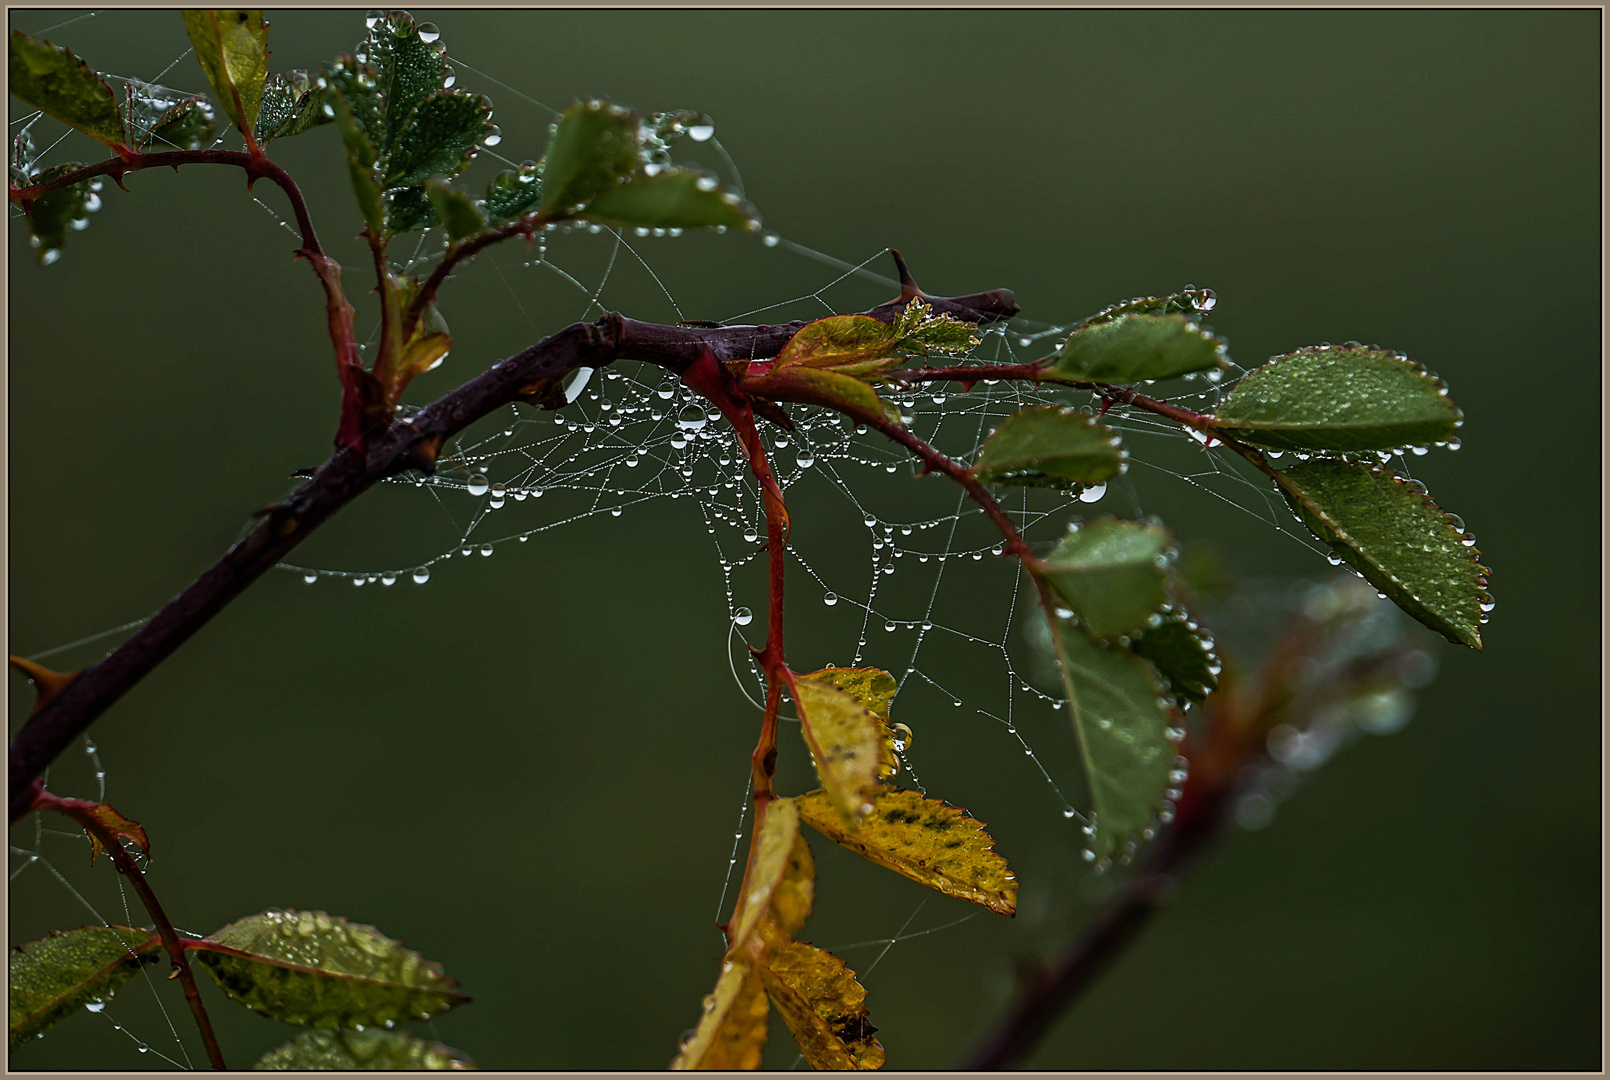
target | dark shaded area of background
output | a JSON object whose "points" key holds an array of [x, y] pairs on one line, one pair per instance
{"points": [[530, 769]]}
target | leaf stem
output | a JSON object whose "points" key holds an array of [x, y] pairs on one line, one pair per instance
{"points": [[82, 811], [527, 226]]}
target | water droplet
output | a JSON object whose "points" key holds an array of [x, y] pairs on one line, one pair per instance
{"points": [[707, 183], [486, 550], [310, 577], [498, 492], [449, 77], [805, 459], [889, 626], [478, 484], [428, 33], [372, 19], [830, 599], [422, 575], [95, 1006], [493, 136], [701, 132], [770, 239], [692, 417], [743, 617], [1093, 493], [49, 256]]}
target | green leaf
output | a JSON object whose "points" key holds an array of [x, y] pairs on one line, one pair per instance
{"points": [[1183, 656], [53, 978], [671, 198], [824, 1007], [56, 82], [360, 161], [836, 341], [292, 103], [440, 137], [408, 209], [359, 85], [512, 193], [1403, 543], [311, 968], [1132, 348], [347, 1051], [1188, 301], [22, 158], [52, 214], [408, 69], [232, 48], [1122, 725], [1050, 446], [166, 119], [1339, 398], [595, 146], [1112, 573], [456, 209], [814, 386], [926, 840]]}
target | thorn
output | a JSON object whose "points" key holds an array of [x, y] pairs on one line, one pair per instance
{"points": [[1106, 403], [47, 683], [908, 288]]}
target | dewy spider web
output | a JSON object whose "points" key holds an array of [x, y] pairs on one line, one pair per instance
{"points": [[631, 436]]}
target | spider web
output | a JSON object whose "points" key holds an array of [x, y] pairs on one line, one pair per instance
{"points": [[927, 568]]}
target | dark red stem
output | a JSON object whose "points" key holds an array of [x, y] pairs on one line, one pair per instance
{"points": [[82, 812]]}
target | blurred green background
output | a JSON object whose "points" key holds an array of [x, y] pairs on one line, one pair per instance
{"points": [[531, 768]]}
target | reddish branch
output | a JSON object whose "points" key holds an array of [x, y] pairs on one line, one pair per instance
{"points": [[85, 813]]}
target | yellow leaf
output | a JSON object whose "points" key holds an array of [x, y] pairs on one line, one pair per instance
{"points": [[232, 47], [779, 886], [845, 740], [874, 688], [924, 839], [837, 340], [732, 1031], [824, 1007]]}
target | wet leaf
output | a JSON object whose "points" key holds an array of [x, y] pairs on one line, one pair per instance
{"points": [[837, 340], [408, 69], [512, 193], [732, 1027], [232, 48], [1122, 725], [595, 146], [672, 198], [824, 1007], [875, 689], [924, 839], [359, 85], [779, 886], [1403, 543], [53, 978], [1338, 398], [114, 823], [1186, 301], [920, 330], [155, 116], [347, 1051], [455, 209], [1132, 348], [56, 82], [22, 158], [408, 209], [291, 105], [360, 162], [845, 740], [1050, 446], [52, 214], [440, 137], [1112, 573], [813, 386], [1183, 656], [306, 967]]}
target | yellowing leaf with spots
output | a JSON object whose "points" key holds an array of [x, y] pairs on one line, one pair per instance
{"points": [[846, 743], [874, 688], [924, 839], [778, 887], [824, 1007], [306, 967], [732, 1028]]}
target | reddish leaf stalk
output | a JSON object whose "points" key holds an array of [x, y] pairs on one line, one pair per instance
{"points": [[467, 249], [81, 811]]}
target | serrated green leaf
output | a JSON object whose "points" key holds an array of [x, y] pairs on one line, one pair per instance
{"points": [[671, 198], [52, 978], [52, 214], [919, 330], [408, 209], [836, 341], [360, 161], [359, 86], [292, 103], [824, 1007], [311, 968], [512, 193], [1050, 446], [1338, 398], [1403, 543], [844, 739], [1121, 723], [595, 146], [456, 210], [56, 82], [1186, 301], [232, 49], [155, 116], [1132, 348], [408, 69], [22, 158], [926, 840], [441, 135], [1112, 573], [814, 386], [348, 1051], [1183, 656]]}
